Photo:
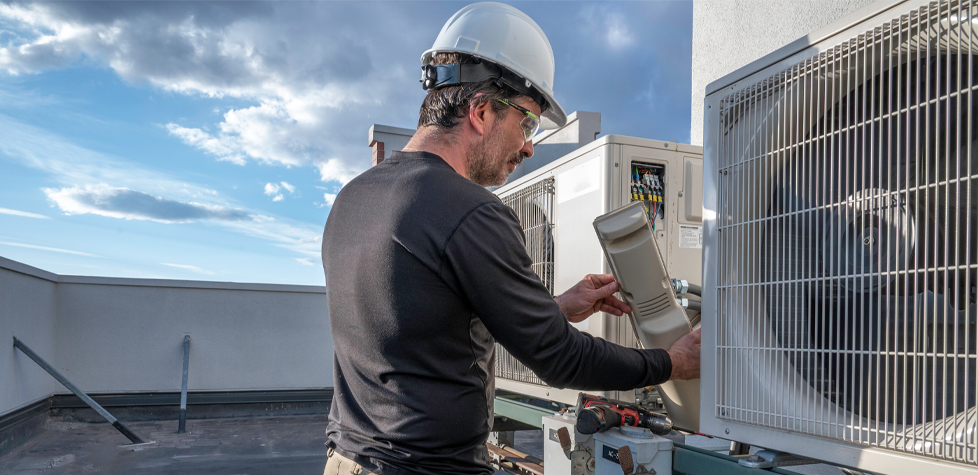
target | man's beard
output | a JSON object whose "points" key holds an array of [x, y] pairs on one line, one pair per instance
{"points": [[488, 163]]}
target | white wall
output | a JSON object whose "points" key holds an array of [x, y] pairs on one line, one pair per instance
{"points": [[27, 311], [729, 34], [126, 335]]}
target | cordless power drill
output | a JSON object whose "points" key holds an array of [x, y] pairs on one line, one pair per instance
{"points": [[598, 414]]}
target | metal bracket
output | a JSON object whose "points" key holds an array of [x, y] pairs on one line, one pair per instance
{"points": [[773, 458], [78, 392]]}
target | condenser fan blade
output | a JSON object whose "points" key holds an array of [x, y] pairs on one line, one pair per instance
{"points": [[869, 252]]}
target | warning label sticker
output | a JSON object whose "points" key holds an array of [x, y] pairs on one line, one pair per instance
{"points": [[691, 237]]}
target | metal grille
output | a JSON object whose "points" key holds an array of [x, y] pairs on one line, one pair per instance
{"points": [[534, 204], [847, 239]]}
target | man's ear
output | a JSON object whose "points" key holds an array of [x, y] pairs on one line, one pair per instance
{"points": [[481, 116]]}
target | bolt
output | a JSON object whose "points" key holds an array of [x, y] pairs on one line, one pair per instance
{"points": [[726, 431], [680, 194], [616, 165]]}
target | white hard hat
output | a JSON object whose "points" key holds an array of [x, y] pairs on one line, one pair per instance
{"points": [[509, 38]]}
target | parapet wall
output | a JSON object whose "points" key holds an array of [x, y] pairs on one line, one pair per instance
{"points": [[126, 335]]}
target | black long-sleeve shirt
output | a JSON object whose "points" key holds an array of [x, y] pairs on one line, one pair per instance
{"points": [[425, 270]]}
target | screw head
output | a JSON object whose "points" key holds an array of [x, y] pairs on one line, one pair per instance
{"points": [[680, 194], [726, 431]]}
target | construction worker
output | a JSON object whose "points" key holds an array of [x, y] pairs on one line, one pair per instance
{"points": [[426, 269]]}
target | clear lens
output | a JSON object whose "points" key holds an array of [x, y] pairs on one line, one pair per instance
{"points": [[530, 126]]}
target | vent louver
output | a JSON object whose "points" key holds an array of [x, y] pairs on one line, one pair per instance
{"points": [[534, 205]]}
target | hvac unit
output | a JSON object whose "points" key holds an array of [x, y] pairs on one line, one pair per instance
{"points": [[557, 205], [841, 222]]}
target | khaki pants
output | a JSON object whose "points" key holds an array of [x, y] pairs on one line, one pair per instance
{"points": [[340, 465]]}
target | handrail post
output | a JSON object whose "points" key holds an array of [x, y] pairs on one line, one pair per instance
{"points": [[183, 389], [78, 392]]}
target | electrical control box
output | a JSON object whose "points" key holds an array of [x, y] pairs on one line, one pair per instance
{"points": [[647, 185]]}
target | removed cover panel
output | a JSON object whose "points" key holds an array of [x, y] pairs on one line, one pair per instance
{"points": [[657, 317]]}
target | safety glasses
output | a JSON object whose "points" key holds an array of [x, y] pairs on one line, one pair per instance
{"points": [[530, 123]]}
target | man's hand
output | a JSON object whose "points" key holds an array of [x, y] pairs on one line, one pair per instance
{"points": [[592, 294], [685, 355]]}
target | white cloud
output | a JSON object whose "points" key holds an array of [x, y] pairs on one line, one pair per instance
{"points": [[191, 268], [93, 183], [309, 95], [202, 140], [124, 203], [609, 25], [22, 213], [306, 261], [70, 165], [273, 189], [43, 248], [329, 198], [336, 170]]}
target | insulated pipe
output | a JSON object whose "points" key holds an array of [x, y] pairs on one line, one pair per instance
{"points": [[78, 392], [693, 306], [695, 290]]}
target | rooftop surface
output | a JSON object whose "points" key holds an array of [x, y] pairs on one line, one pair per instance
{"points": [[235, 446]]}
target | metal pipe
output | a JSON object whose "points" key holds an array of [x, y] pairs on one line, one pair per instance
{"points": [[78, 392], [183, 389]]}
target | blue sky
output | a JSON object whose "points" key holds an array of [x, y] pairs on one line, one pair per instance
{"points": [[205, 141]]}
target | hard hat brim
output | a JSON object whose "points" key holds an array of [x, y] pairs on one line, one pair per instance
{"points": [[552, 118]]}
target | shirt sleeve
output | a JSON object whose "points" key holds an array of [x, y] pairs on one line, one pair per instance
{"points": [[487, 256]]}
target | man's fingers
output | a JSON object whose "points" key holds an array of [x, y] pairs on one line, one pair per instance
{"points": [[602, 279], [609, 309], [612, 302], [602, 292]]}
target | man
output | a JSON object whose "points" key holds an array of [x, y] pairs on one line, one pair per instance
{"points": [[426, 269]]}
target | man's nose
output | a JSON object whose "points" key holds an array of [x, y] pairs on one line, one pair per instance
{"points": [[527, 150]]}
